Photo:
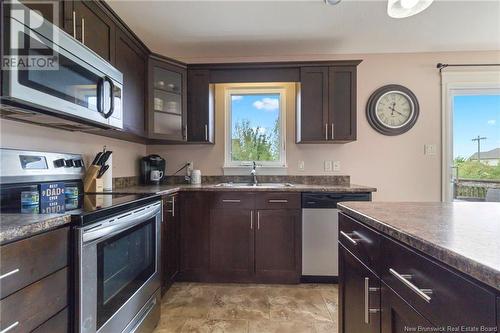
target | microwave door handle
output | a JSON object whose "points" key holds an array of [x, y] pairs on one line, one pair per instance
{"points": [[111, 98], [99, 94]]}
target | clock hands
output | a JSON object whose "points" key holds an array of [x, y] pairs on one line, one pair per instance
{"points": [[393, 109]]}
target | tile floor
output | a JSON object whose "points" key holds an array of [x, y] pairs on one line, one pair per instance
{"points": [[249, 308]]}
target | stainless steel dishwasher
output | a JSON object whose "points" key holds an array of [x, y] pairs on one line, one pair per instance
{"points": [[320, 234]]}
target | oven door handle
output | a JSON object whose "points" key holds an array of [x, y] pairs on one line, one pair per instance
{"points": [[124, 222]]}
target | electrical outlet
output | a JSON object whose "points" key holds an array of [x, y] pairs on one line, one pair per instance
{"points": [[301, 165], [189, 168], [328, 166], [336, 166], [430, 149]]}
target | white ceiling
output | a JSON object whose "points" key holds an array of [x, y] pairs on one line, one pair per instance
{"points": [[235, 28]]}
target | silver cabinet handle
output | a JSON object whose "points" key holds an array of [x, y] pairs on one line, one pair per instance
{"points": [[74, 24], [206, 132], [231, 200], [333, 132], [404, 278], [251, 219], [173, 206], [258, 220], [83, 31], [10, 327], [349, 238], [278, 201], [326, 131], [369, 311], [9, 274]]}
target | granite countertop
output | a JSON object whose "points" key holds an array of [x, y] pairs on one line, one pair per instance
{"points": [[463, 235], [169, 189], [18, 226]]}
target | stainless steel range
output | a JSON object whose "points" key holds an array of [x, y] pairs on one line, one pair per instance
{"points": [[117, 252]]}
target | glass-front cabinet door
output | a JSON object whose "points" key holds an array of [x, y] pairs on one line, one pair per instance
{"points": [[167, 100]]}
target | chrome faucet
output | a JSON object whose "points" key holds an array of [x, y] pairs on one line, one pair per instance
{"points": [[254, 174]]}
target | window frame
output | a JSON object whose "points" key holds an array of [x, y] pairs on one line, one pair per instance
{"points": [[251, 90]]}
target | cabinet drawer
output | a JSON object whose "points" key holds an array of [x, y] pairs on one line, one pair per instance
{"points": [[29, 260], [243, 200], [57, 324], [361, 241], [441, 295], [278, 200], [35, 304]]}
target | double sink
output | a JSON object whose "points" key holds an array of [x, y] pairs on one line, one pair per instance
{"points": [[251, 185]]}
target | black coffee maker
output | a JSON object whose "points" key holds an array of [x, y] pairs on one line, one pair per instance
{"points": [[152, 169]]}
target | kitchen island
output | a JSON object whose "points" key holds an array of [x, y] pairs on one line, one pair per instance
{"points": [[406, 266]]}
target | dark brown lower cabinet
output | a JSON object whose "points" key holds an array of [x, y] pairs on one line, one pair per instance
{"points": [[399, 316], [170, 247], [57, 324], [194, 233], [231, 244], [359, 296], [278, 244]]}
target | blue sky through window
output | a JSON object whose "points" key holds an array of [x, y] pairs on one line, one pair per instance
{"points": [[475, 115], [261, 110]]}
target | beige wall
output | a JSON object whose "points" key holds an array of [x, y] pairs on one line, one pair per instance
{"points": [[33, 137], [396, 165]]}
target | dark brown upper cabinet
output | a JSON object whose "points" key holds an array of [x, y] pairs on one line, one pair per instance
{"points": [[89, 24], [166, 115], [326, 104], [200, 107], [131, 60]]}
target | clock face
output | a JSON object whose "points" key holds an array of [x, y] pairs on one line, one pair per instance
{"points": [[394, 109]]}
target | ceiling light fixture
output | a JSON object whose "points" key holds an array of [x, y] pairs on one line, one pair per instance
{"points": [[332, 2], [406, 8]]}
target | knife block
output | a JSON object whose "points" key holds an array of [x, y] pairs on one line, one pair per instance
{"points": [[92, 184]]}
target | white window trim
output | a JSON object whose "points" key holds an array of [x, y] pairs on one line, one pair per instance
{"points": [[459, 82], [269, 168]]}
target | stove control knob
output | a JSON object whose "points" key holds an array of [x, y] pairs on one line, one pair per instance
{"points": [[59, 163], [69, 163], [78, 163]]}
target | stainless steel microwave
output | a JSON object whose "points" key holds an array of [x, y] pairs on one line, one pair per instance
{"points": [[78, 87]]}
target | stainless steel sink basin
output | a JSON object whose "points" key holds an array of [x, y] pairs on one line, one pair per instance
{"points": [[249, 185]]}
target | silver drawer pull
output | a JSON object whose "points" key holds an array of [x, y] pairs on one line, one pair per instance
{"points": [[5, 330], [231, 200], [9, 274], [278, 201], [349, 238], [423, 293]]}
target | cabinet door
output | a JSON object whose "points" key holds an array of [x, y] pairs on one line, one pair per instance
{"points": [[231, 244], [131, 61], [167, 101], [278, 244], [194, 234], [312, 112], [342, 103], [200, 107], [95, 29], [170, 243], [398, 316], [359, 296]]}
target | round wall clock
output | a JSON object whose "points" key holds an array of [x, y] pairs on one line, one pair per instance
{"points": [[392, 109]]}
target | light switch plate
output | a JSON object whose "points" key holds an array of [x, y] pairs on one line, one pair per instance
{"points": [[301, 165], [336, 166], [430, 149], [328, 166]]}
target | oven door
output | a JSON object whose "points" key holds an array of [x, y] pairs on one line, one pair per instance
{"points": [[118, 269], [81, 85]]}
